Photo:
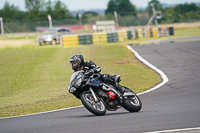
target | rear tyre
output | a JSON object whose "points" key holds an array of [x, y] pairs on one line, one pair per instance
{"points": [[132, 103], [97, 108]]}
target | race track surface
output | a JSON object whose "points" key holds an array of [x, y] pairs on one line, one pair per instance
{"points": [[176, 105]]}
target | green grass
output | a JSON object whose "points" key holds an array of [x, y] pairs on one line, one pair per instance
{"points": [[35, 79], [12, 37], [182, 32]]}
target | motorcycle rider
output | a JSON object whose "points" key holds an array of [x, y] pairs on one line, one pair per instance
{"points": [[89, 67]]}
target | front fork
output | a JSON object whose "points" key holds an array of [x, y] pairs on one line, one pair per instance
{"points": [[93, 94]]}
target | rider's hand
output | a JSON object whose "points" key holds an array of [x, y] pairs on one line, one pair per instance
{"points": [[97, 69], [89, 73], [94, 70]]}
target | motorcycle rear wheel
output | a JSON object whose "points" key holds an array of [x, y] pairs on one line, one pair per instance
{"points": [[97, 108], [132, 103]]}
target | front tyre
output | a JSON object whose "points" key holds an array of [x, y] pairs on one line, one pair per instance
{"points": [[97, 108], [132, 103]]}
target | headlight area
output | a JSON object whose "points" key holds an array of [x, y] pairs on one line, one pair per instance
{"points": [[72, 89]]}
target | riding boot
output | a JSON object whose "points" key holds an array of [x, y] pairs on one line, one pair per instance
{"points": [[120, 88]]}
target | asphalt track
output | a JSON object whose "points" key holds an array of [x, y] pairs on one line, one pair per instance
{"points": [[175, 105]]}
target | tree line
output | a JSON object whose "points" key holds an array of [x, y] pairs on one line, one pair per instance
{"points": [[36, 13]]}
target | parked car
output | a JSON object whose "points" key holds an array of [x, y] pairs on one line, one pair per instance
{"points": [[52, 36]]}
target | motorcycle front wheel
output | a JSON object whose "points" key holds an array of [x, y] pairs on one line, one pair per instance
{"points": [[97, 108]]}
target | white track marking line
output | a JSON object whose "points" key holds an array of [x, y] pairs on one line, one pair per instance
{"points": [[175, 130], [162, 74], [43, 112], [164, 77]]}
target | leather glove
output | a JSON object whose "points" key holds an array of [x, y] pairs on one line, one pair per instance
{"points": [[94, 70], [97, 69], [89, 73]]}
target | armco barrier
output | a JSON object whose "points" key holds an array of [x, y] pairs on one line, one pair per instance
{"points": [[144, 33], [129, 34], [140, 34], [155, 32], [166, 31], [120, 36], [135, 33], [151, 32], [85, 39], [70, 40], [112, 37], [161, 31], [171, 31], [99, 38], [148, 32]]}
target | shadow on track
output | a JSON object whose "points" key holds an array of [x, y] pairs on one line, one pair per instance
{"points": [[110, 113]]}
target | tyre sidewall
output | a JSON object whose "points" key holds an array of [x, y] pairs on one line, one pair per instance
{"points": [[130, 107], [91, 108]]}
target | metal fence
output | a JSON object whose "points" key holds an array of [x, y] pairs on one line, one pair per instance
{"points": [[31, 25]]}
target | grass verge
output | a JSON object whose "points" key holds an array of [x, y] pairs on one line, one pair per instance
{"points": [[34, 79]]}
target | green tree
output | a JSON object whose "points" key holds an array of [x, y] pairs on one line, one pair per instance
{"points": [[169, 15], [11, 12], [112, 6], [49, 7], [123, 7], [11, 16], [89, 17], [60, 9], [60, 12], [186, 11], [34, 7], [183, 8], [180, 13], [89, 14]]}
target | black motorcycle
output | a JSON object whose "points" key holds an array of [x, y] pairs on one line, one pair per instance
{"points": [[97, 96]]}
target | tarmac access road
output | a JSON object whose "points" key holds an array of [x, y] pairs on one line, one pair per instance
{"points": [[175, 105]]}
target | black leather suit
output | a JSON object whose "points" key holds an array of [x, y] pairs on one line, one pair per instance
{"points": [[90, 67]]}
